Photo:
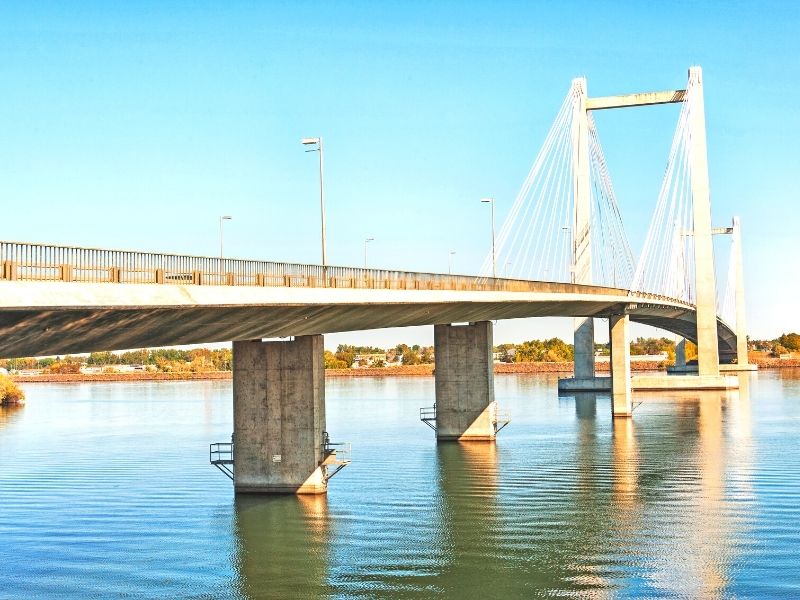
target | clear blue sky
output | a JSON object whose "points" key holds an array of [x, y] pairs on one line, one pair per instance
{"points": [[136, 125]]}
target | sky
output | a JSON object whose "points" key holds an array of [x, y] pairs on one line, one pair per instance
{"points": [[136, 125]]}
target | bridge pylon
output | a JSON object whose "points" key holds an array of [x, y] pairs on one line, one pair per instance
{"points": [[581, 267], [705, 278]]}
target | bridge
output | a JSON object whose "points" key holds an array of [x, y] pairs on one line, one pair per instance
{"points": [[564, 237]]}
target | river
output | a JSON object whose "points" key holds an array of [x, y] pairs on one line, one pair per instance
{"points": [[106, 492]]}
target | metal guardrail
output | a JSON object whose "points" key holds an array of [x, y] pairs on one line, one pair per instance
{"points": [[38, 262], [220, 454], [427, 414], [501, 419], [335, 455]]}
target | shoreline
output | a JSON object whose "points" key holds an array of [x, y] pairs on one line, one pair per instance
{"points": [[408, 371]]}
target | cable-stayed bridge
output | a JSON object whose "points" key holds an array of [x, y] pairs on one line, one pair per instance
{"points": [[562, 251]]}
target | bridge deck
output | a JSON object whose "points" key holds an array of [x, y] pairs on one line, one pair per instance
{"points": [[111, 300]]}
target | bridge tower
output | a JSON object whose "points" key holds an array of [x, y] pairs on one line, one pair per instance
{"points": [[581, 267], [705, 282]]}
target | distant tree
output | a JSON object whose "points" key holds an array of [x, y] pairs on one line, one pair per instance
{"points": [[223, 359], [410, 357], [138, 357], [10, 393], [426, 356], [378, 363], [777, 350], [346, 357], [790, 341], [552, 350], [68, 366], [331, 362], [650, 346], [102, 358]]}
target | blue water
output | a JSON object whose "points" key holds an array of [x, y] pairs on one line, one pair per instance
{"points": [[106, 492]]}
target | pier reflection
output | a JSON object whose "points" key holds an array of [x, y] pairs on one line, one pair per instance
{"points": [[282, 546], [709, 491], [568, 512], [470, 520]]}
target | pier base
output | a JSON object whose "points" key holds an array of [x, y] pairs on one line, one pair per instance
{"points": [[279, 416], [685, 382], [652, 382], [465, 406]]}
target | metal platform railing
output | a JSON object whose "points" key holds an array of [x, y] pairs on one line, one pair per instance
{"points": [[427, 415], [40, 262], [335, 456], [220, 455], [501, 419]]}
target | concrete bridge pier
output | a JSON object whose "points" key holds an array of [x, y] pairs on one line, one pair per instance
{"points": [[465, 405], [620, 338], [279, 416], [584, 348], [680, 354]]}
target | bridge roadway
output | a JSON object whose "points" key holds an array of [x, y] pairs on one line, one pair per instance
{"points": [[40, 318]]}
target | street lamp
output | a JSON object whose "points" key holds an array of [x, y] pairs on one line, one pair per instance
{"points": [[221, 219], [366, 241], [450, 261], [317, 142], [491, 201]]}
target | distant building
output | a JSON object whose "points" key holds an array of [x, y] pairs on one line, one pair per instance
{"points": [[367, 360]]}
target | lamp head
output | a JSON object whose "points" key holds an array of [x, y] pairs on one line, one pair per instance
{"points": [[309, 140], [226, 217], [487, 200]]}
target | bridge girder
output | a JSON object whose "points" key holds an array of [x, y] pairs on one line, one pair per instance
{"points": [[88, 323]]}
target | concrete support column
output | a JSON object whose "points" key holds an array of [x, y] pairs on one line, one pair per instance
{"points": [[279, 416], [465, 407], [584, 348], [619, 334], [705, 283], [680, 353]]}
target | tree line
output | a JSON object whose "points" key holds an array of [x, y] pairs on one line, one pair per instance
{"points": [[198, 360], [347, 356], [786, 343]]}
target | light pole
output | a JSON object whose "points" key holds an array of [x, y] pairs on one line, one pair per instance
{"points": [[317, 141], [366, 241], [450, 262], [494, 267], [221, 247]]}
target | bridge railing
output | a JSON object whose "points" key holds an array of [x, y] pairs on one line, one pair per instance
{"points": [[39, 262]]}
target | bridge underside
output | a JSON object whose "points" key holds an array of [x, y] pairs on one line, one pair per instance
{"points": [[57, 330]]}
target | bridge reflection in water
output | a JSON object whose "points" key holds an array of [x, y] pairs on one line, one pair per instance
{"points": [[658, 505]]}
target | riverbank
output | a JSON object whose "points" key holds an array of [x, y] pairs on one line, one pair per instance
{"points": [[401, 371]]}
